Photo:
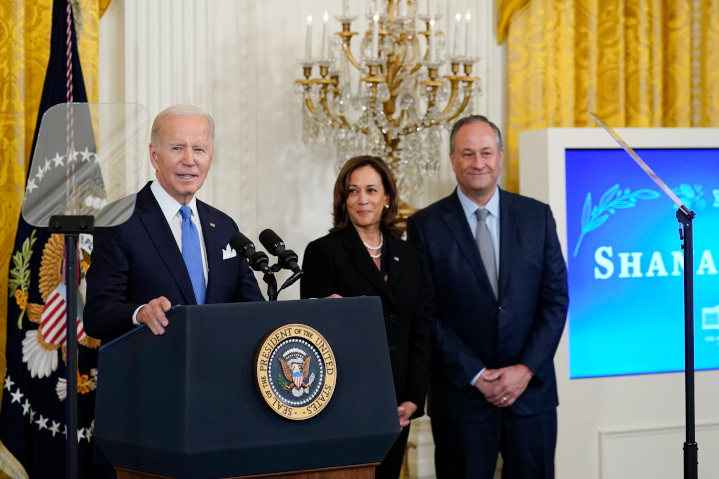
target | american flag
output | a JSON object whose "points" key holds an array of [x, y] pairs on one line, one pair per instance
{"points": [[54, 316]]}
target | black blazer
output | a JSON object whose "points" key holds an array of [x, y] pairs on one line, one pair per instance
{"points": [[139, 261], [339, 263], [471, 328]]}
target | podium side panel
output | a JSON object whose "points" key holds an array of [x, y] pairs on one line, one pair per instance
{"points": [[140, 394]]}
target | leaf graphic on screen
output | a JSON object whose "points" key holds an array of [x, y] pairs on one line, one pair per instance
{"points": [[691, 196], [612, 200]]}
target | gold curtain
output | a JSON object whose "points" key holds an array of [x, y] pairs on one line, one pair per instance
{"points": [[24, 53], [638, 63]]}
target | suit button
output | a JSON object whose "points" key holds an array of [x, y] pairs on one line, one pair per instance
{"points": [[393, 317], [392, 349]]}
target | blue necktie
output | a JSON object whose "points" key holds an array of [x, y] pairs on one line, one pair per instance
{"points": [[192, 255]]}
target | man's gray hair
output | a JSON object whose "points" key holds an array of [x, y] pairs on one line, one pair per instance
{"points": [[471, 119], [181, 111]]}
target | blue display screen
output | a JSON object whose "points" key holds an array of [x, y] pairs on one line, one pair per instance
{"points": [[626, 266]]}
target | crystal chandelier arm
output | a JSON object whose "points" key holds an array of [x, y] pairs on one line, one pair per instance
{"points": [[454, 81], [306, 95], [467, 97], [310, 107], [425, 123], [407, 43], [346, 37], [415, 68], [432, 100], [341, 120]]}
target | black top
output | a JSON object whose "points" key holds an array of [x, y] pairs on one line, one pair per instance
{"points": [[339, 263]]}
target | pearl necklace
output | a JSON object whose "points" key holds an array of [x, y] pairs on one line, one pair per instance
{"points": [[375, 248]]}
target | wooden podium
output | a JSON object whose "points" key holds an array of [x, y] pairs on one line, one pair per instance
{"points": [[354, 472], [187, 405]]}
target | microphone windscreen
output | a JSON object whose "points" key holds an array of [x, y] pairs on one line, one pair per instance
{"points": [[270, 240], [240, 242]]}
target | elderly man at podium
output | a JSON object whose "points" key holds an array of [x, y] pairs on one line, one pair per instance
{"points": [[174, 249]]}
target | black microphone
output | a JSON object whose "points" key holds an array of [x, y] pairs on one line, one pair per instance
{"points": [[273, 243], [258, 260]]}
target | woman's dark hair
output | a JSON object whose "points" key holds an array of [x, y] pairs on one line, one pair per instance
{"points": [[340, 216]]}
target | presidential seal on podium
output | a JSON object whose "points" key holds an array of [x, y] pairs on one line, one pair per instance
{"points": [[296, 371]]}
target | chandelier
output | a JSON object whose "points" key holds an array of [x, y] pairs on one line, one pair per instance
{"points": [[392, 102]]}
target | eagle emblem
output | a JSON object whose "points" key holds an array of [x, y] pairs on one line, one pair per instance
{"points": [[43, 347], [296, 370], [295, 374]]}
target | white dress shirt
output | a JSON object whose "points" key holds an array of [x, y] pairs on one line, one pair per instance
{"points": [[492, 220]]}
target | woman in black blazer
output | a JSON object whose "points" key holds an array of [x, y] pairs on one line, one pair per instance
{"points": [[364, 255]]}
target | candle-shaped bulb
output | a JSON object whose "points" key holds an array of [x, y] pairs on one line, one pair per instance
{"points": [[308, 39], [457, 26], [468, 36], [432, 43], [375, 36], [325, 39], [345, 7]]}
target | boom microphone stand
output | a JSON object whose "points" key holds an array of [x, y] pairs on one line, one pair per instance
{"points": [[685, 217], [690, 446]]}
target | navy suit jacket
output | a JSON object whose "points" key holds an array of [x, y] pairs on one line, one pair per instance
{"points": [[139, 260], [339, 263], [471, 328]]}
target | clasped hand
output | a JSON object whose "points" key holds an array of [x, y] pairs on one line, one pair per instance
{"points": [[405, 411], [501, 387]]}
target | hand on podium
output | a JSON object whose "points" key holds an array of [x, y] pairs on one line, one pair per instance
{"points": [[153, 315]]}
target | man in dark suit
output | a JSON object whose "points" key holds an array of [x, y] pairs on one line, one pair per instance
{"points": [[174, 249], [496, 300]]}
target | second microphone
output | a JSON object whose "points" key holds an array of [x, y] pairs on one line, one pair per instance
{"points": [[274, 244]]}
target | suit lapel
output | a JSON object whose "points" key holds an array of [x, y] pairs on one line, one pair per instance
{"points": [[507, 238], [161, 236], [457, 223], [213, 245], [359, 257]]}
